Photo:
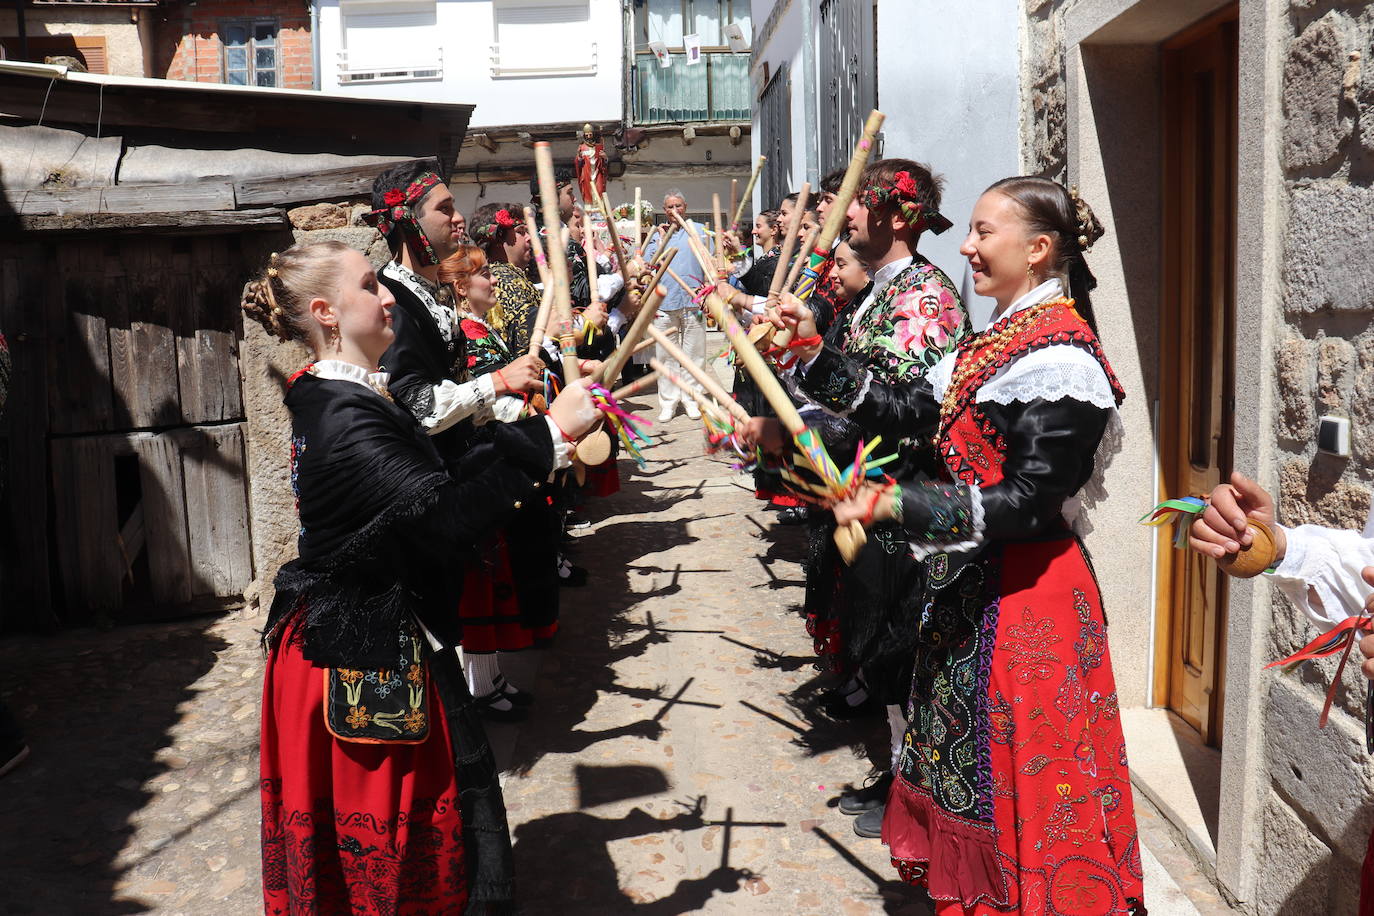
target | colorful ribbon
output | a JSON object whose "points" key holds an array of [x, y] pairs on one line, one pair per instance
{"points": [[1341, 638], [1180, 512], [628, 428]]}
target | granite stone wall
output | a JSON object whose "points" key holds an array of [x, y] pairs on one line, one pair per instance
{"points": [[1318, 814]]}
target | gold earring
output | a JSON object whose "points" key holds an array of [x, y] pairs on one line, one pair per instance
{"points": [[1030, 271], [334, 340]]}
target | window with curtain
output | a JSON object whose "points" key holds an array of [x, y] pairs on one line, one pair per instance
{"points": [[251, 55], [716, 89]]}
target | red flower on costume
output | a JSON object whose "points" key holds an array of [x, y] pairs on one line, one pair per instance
{"points": [[393, 197], [504, 219], [905, 184], [472, 362], [473, 330]]}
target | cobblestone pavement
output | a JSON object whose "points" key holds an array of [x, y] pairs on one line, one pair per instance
{"points": [[675, 761]]}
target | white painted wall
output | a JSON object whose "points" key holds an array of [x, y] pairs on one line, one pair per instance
{"points": [[466, 30], [954, 106]]}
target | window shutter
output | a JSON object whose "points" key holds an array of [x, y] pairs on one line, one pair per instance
{"points": [[399, 39], [89, 49], [534, 35]]}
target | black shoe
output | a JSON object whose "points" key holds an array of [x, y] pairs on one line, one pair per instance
{"points": [[575, 522], [870, 823], [793, 515], [486, 705], [841, 710], [516, 696], [873, 795]]}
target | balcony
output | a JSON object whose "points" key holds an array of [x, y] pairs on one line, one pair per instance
{"points": [[717, 89]]}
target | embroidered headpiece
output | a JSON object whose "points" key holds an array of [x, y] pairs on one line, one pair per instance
{"points": [[487, 233], [395, 211], [902, 193]]}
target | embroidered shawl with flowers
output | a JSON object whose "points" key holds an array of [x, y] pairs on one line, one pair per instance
{"points": [[915, 321]]}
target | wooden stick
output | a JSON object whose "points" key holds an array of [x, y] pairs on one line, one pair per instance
{"points": [[707, 404], [835, 218], [734, 197], [784, 337], [748, 192], [616, 363], [657, 234], [638, 228], [702, 376], [638, 385], [722, 271], [849, 538], [702, 255], [541, 321], [558, 259], [605, 206], [789, 244], [537, 247]]}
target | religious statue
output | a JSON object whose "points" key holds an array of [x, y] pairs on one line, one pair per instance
{"points": [[590, 166]]}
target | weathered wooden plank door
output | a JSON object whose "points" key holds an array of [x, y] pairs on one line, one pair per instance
{"points": [[1197, 379], [212, 462]]}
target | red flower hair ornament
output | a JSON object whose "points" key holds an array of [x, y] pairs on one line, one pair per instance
{"points": [[902, 194]]}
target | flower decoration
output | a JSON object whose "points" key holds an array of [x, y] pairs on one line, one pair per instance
{"points": [[927, 316], [393, 197], [905, 185], [504, 219]]}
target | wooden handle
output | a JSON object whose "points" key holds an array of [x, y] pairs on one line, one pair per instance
{"points": [[722, 270], [1255, 559], [789, 244], [784, 337], [835, 218], [698, 249], [638, 232], [734, 200], [536, 246], [635, 387], [558, 259], [703, 376], [604, 206], [748, 191]]}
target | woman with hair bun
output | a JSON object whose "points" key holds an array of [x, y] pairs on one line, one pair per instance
{"points": [[379, 791], [1012, 792]]}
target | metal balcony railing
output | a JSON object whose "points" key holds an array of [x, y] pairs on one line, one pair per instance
{"points": [[717, 89]]}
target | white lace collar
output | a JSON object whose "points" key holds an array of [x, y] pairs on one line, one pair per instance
{"points": [[341, 371], [1042, 293], [443, 315]]}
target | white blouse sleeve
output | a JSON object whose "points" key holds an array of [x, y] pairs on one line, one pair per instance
{"points": [[1320, 573], [455, 401]]}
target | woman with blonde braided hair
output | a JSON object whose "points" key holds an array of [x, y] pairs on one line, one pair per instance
{"points": [[1012, 792], [379, 792]]}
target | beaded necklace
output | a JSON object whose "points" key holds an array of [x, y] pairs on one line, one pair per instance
{"points": [[993, 343]]}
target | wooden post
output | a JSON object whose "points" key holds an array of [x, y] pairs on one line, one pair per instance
{"points": [[558, 259]]}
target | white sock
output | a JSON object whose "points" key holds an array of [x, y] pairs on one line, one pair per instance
{"points": [[481, 670], [506, 686], [896, 720]]}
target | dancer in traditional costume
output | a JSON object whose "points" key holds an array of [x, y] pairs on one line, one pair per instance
{"points": [[500, 230], [1013, 793], [379, 791], [510, 592]]}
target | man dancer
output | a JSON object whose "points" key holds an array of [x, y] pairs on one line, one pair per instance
{"points": [[678, 316], [909, 318]]}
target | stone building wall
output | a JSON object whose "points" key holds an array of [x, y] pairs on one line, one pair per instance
{"points": [[265, 365], [1318, 815]]}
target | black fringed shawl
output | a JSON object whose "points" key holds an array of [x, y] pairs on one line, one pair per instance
{"points": [[384, 532]]}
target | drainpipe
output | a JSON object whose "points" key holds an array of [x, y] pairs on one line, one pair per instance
{"points": [[812, 116], [315, 42]]}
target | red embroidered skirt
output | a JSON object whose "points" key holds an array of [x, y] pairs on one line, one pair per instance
{"points": [[360, 829], [490, 608], [1063, 838]]}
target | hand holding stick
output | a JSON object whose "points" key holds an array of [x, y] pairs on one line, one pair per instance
{"points": [[616, 363], [784, 337], [789, 244]]}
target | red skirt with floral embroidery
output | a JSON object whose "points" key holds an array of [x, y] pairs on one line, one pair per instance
{"points": [[490, 608], [351, 828], [1045, 748]]}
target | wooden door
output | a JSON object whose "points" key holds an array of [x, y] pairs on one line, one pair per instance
{"points": [[1197, 335]]}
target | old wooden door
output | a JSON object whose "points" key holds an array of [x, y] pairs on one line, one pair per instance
{"points": [[1197, 382]]}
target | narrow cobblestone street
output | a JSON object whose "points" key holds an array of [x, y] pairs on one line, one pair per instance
{"points": [[675, 761]]}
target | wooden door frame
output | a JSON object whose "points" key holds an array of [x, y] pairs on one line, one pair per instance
{"points": [[1170, 437]]}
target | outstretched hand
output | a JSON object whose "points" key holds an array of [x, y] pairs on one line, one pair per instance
{"points": [[1222, 530], [872, 503]]}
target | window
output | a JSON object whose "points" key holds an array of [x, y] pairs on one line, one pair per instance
{"points": [[251, 55], [89, 49], [390, 42], [668, 20], [542, 38]]}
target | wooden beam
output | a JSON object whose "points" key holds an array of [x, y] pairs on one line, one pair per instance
{"points": [[120, 199], [273, 218], [331, 184]]}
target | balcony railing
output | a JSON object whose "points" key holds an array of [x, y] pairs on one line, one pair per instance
{"points": [[717, 89], [429, 67]]}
